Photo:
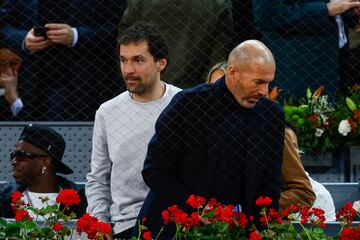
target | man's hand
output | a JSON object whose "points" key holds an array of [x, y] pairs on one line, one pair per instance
{"points": [[9, 79], [35, 44], [337, 7], [60, 33]]}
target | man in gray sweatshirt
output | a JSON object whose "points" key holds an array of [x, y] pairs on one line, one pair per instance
{"points": [[123, 127]]}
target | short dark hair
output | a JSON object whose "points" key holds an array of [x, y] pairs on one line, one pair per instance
{"points": [[150, 33]]}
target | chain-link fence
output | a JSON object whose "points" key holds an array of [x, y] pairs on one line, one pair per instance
{"points": [[60, 62]]}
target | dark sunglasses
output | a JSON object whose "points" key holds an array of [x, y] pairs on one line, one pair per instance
{"points": [[22, 155]]}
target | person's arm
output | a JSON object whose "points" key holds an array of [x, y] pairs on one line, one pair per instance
{"points": [[98, 180], [297, 187], [164, 153], [104, 29]]}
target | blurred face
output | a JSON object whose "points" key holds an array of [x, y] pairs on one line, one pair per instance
{"points": [[217, 74], [249, 82], [139, 68], [27, 163], [10, 62]]}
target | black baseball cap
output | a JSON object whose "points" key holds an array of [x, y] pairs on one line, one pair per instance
{"points": [[48, 140]]}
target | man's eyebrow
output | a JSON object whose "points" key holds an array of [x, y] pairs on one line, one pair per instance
{"points": [[133, 57]]}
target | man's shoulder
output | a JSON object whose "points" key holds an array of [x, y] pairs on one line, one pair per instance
{"points": [[172, 89], [115, 102]]}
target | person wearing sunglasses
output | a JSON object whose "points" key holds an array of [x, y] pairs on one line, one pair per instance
{"points": [[36, 160]]}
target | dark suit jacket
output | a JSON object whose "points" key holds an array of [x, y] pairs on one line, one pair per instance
{"points": [[65, 83], [304, 41], [197, 136]]}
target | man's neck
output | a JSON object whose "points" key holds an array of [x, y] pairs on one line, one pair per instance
{"points": [[153, 94], [48, 185]]}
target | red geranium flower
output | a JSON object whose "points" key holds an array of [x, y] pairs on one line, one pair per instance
{"points": [[57, 227], [22, 215], [263, 201], [346, 214], [68, 197], [349, 234], [196, 201], [255, 236], [15, 197], [147, 235], [104, 227]]}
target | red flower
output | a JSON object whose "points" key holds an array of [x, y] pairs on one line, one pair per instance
{"points": [[147, 235], [241, 219], [87, 224], [346, 214], [224, 213], [349, 234], [255, 236], [22, 215], [263, 201], [166, 216], [313, 117], [15, 197], [196, 201], [57, 227], [103, 227], [68, 197], [293, 208]]}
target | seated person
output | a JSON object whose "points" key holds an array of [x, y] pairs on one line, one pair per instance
{"points": [[11, 104], [36, 160], [323, 200], [216, 72]]}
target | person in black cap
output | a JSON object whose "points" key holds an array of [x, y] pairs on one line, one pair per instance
{"points": [[36, 161]]}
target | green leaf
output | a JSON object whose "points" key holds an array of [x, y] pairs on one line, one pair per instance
{"points": [[350, 104]]}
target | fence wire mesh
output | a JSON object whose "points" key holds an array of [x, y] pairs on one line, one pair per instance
{"points": [[76, 69]]}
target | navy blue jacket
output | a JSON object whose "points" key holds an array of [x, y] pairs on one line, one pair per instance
{"points": [[207, 144]]}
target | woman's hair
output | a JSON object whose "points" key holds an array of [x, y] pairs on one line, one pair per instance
{"points": [[218, 66]]}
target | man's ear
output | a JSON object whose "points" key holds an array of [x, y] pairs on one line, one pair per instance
{"points": [[46, 162], [162, 64]]}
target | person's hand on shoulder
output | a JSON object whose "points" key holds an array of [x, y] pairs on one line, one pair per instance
{"points": [[60, 33]]}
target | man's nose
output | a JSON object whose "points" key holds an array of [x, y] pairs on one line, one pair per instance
{"points": [[127, 68]]}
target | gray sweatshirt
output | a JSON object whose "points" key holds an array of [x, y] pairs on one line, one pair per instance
{"points": [[115, 189]]}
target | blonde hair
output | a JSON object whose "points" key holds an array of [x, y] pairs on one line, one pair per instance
{"points": [[219, 66]]}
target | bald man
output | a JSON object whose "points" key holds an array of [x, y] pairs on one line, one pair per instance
{"points": [[222, 140]]}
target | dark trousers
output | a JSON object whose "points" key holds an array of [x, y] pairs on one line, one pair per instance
{"points": [[124, 234]]}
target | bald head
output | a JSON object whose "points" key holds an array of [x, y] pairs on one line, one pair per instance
{"points": [[251, 51], [251, 68]]}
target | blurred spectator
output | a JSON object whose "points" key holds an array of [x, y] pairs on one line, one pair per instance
{"points": [[123, 128], [297, 188], [216, 72], [323, 200], [305, 37], [200, 34], [71, 70], [10, 103], [36, 161]]}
